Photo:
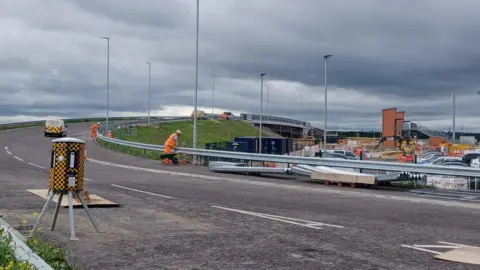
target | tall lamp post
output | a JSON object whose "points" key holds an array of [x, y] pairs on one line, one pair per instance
{"points": [[268, 95], [261, 114], [325, 57], [213, 95], [196, 84], [149, 84], [108, 81]]}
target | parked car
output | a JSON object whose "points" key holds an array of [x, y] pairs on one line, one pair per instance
{"points": [[467, 158], [441, 159], [430, 157], [455, 163], [349, 154], [335, 155]]}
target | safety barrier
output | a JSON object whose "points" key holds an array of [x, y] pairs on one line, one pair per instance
{"points": [[356, 164]]}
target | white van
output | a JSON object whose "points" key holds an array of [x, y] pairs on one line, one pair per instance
{"points": [[55, 127]]}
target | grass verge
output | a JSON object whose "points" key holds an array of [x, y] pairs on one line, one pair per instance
{"points": [[52, 255], [7, 254], [208, 131]]}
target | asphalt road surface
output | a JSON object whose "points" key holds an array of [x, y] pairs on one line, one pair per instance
{"points": [[220, 221]]}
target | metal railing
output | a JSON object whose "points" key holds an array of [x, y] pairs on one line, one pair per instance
{"points": [[356, 164]]}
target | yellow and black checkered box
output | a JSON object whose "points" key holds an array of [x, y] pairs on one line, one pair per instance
{"points": [[67, 165]]}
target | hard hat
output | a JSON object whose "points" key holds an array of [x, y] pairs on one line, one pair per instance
{"points": [[178, 131], [98, 123]]}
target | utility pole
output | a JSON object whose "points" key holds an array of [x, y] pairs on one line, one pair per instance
{"points": [[149, 84], [325, 57], [108, 81], [261, 114]]}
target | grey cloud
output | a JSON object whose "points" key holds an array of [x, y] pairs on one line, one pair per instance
{"points": [[407, 54]]}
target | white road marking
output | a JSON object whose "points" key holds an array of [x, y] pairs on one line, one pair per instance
{"points": [[458, 245], [8, 152], [87, 179], [38, 166], [6, 148], [18, 158], [294, 187], [434, 246], [141, 191], [282, 219], [422, 249]]}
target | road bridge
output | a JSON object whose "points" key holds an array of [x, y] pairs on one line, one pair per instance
{"points": [[286, 127]]}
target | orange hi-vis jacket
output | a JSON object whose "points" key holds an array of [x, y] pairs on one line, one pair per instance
{"points": [[170, 143], [92, 130]]}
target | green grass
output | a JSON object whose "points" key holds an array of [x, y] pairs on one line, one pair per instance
{"points": [[208, 131], [7, 254]]}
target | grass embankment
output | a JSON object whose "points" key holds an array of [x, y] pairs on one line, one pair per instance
{"points": [[208, 131]]}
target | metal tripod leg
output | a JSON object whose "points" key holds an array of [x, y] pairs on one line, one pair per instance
{"points": [[86, 210], [57, 209], [71, 217], [42, 214]]}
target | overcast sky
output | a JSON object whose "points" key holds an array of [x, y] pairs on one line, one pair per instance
{"points": [[406, 54]]}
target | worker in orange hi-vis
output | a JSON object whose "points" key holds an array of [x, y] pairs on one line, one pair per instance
{"points": [[168, 157], [93, 130]]}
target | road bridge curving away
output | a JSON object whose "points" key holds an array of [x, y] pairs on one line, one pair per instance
{"points": [[215, 221]]}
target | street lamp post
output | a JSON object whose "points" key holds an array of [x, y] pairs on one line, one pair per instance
{"points": [[261, 114], [301, 102], [325, 57], [196, 83], [268, 95], [213, 95], [108, 81], [149, 84]]}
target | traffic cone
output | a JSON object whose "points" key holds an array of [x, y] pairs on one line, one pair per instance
{"points": [[85, 155]]}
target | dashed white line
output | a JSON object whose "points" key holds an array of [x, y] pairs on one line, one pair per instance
{"points": [[18, 158], [8, 152], [141, 191], [87, 179], [38, 166], [6, 147]]}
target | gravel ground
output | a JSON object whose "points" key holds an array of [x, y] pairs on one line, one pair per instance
{"points": [[203, 224]]}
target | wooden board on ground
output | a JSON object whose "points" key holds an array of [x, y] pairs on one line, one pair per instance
{"points": [[343, 178], [95, 200], [469, 255]]}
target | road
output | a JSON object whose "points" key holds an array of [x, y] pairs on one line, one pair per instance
{"points": [[216, 221]]}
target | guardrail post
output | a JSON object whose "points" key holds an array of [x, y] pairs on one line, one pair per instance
{"points": [[361, 158]]}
